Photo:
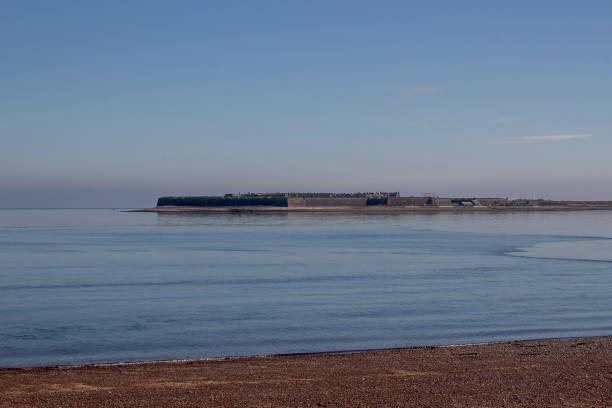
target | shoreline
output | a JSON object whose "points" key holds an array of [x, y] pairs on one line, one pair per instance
{"points": [[574, 372], [361, 210], [296, 354]]}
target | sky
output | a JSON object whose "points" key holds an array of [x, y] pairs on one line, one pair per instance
{"points": [[114, 103]]}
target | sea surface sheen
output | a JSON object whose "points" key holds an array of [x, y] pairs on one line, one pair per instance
{"points": [[93, 286]]}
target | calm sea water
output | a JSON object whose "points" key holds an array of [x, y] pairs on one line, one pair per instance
{"points": [[88, 286]]}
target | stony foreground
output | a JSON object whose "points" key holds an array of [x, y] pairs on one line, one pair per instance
{"points": [[572, 373]]}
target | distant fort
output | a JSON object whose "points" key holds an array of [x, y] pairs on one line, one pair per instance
{"points": [[373, 200]]}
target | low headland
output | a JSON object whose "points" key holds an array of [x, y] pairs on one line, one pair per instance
{"points": [[556, 373], [368, 203]]}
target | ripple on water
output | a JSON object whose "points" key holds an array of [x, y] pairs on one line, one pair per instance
{"points": [[595, 251]]}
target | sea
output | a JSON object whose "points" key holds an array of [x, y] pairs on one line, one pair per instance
{"points": [[85, 286]]}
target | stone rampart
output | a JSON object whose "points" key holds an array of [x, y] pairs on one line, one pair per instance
{"points": [[296, 202], [408, 201], [327, 201], [222, 201]]}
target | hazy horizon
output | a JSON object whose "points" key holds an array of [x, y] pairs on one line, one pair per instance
{"points": [[113, 105]]}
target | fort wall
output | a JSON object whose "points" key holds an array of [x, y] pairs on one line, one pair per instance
{"points": [[408, 201], [269, 201], [296, 202], [327, 201], [359, 200], [222, 201]]}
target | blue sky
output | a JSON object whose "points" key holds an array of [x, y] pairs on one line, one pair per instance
{"points": [[114, 103]]}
